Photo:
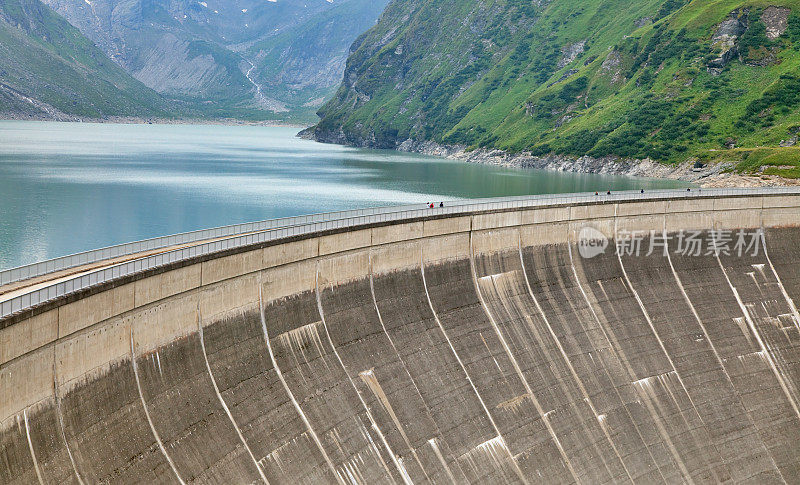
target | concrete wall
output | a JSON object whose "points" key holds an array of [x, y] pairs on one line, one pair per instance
{"points": [[481, 349]]}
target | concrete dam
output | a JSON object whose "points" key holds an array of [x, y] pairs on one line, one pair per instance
{"points": [[597, 340]]}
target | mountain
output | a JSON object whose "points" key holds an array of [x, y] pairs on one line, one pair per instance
{"points": [[305, 63], [667, 80], [250, 59], [49, 69]]}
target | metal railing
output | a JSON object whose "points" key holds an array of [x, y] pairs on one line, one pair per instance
{"points": [[241, 235], [41, 268]]}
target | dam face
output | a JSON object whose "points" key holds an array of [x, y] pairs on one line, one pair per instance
{"points": [[483, 348]]}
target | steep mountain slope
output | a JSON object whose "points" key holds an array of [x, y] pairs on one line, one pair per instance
{"points": [[666, 80], [304, 64], [49, 69], [230, 58]]}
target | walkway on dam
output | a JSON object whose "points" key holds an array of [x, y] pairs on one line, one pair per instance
{"points": [[15, 289], [615, 341], [35, 283]]}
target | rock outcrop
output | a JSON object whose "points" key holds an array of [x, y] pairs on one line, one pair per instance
{"points": [[612, 66], [570, 52], [776, 20], [794, 137], [725, 39]]}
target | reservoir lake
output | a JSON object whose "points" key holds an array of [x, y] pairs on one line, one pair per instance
{"points": [[71, 187]]}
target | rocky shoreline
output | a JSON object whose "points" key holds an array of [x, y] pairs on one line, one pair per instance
{"points": [[711, 175]]}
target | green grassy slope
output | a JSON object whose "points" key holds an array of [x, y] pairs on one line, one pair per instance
{"points": [[44, 58], [644, 82]]}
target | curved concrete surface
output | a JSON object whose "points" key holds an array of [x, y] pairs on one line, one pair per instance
{"points": [[482, 348]]}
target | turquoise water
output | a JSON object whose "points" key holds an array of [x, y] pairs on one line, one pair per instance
{"points": [[70, 187]]}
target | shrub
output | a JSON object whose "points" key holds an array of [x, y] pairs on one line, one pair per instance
{"points": [[755, 39], [793, 30], [785, 93], [582, 142], [668, 7], [662, 46], [541, 150]]}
